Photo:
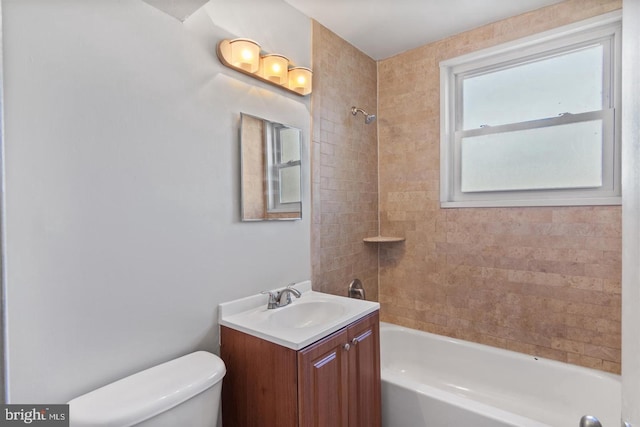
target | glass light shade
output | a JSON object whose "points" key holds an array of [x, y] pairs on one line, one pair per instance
{"points": [[300, 80], [245, 54], [275, 68]]}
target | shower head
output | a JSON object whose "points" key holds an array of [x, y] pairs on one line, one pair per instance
{"points": [[368, 118]]}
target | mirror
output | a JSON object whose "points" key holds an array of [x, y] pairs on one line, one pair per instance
{"points": [[270, 156]]}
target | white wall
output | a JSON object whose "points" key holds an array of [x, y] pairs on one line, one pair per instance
{"points": [[122, 184], [631, 212]]}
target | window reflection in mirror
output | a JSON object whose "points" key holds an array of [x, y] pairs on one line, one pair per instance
{"points": [[270, 170]]}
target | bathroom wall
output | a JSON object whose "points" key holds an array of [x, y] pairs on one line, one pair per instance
{"points": [[345, 163], [122, 184], [2, 298], [543, 281]]}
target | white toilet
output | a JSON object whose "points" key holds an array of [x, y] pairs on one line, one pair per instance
{"points": [[181, 392]]}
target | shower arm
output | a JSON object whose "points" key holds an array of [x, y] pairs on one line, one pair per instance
{"points": [[368, 118]]}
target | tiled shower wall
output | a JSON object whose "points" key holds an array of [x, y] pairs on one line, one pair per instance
{"points": [[345, 166], [543, 281]]}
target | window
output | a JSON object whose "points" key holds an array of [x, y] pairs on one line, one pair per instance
{"points": [[284, 192], [534, 122]]}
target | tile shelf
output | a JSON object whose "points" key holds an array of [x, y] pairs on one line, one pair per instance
{"points": [[383, 239]]}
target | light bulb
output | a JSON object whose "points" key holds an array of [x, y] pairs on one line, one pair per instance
{"points": [[246, 55]]}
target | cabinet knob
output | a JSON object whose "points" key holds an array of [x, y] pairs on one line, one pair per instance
{"points": [[346, 346]]}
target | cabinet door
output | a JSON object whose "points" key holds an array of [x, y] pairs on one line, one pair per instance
{"points": [[364, 372], [323, 383]]}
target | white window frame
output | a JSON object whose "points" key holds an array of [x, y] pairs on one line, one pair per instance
{"points": [[274, 167], [582, 33]]}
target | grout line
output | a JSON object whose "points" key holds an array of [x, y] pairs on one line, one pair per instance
{"points": [[378, 168]]}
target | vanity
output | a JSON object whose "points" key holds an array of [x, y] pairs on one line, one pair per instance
{"points": [[313, 362]]}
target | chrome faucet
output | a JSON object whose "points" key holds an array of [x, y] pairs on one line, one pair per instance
{"points": [[286, 292], [281, 298]]}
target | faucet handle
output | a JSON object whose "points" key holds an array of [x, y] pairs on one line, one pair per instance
{"points": [[273, 298]]}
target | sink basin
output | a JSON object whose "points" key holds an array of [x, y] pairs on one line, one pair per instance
{"points": [[306, 314], [306, 320]]}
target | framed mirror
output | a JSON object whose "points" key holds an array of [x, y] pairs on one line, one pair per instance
{"points": [[271, 170]]}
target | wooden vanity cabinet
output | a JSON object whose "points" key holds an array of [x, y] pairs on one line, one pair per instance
{"points": [[339, 377], [334, 382]]}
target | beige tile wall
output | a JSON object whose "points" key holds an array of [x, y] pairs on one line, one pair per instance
{"points": [[544, 281], [345, 164]]}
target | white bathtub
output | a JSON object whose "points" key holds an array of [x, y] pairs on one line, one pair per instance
{"points": [[433, 381]]}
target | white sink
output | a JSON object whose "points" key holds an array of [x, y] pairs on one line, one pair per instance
{"points": [[306, 320], [306, 314]]}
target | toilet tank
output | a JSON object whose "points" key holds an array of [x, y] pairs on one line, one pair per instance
{"points": [[181, 392]]}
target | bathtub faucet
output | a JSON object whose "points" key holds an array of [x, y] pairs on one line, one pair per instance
{"points": [[281, 298], [589, 421]]}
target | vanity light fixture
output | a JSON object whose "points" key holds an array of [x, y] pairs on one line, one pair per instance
{"points": [[244, 55]]}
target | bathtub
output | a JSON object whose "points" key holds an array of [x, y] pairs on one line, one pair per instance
{"points": [[434, 381]]}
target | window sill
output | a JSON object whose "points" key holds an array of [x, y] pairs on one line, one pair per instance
{"points": [[600, 201]]}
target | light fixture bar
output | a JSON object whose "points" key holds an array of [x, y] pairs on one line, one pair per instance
{"points": [[270, 68]]}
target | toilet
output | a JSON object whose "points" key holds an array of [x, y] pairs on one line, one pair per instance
{"points": [[181, 392]]}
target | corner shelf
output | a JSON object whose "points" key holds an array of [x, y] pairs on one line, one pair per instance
{"points": [[383, 239]]}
